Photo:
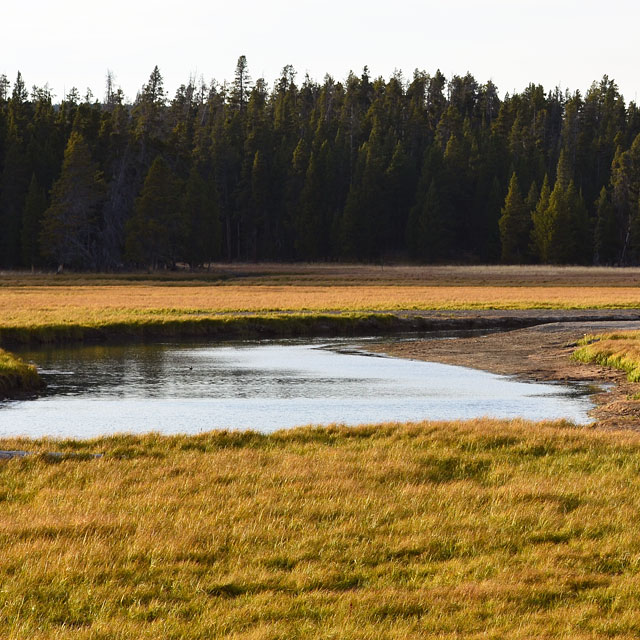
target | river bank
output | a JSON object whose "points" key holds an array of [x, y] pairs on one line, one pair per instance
{"points": [[144, 326], [540, 353]]}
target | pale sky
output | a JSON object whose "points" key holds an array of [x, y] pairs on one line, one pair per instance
{"points": [[512, 42]]}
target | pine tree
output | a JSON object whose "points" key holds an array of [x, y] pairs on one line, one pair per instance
{"points": [[400, 178], [532, 197], [241, 84], [259, 207], [607, 237], [541, 230], [330, 170], [155, 233], [201, 221], [34, 208], [515, 225], [148, 113], [427, 237], [580, 236], [16, 173], [429, 230], [625, 183], [567, 220], [312, 223], [71, 224]]}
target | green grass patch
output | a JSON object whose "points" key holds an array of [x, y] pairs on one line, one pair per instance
{"points": [[617, 350], [16, 376]]}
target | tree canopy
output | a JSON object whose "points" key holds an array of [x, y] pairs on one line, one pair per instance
{"points": [[430, 169]]}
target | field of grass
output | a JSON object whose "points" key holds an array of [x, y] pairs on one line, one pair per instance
{"points": [[482, 529], [620, 350], [64, 304], [16, 376]]}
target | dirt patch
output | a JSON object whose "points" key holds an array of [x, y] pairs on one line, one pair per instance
{"points": [[540, 353]]}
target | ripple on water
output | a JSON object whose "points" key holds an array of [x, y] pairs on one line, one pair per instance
{"points": [[178, 388]]}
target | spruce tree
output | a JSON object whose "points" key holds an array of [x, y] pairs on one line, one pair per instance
{"points": [[202, 229], [606, 237], [34, 208], [155, 233], [532, 197], [515, 225], [71, 224], [541, 229], [427, 233], [567, 219]]}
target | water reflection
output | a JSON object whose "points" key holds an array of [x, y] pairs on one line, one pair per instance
{"points": [[189, 388]]}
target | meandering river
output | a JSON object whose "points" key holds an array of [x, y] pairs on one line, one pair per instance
{"points": [[189, 388]]}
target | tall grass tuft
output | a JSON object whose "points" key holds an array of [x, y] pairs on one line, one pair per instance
{"points": [[16, 376]]}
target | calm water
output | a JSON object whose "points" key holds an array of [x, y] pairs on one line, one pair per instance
{"points": [[178, 388]]}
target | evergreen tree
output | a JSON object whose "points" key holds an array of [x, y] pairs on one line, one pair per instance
{"points": [[16, 173], [606, 241], [400, 180], [155, 233], [515, 225], [625, 183], [70, 226], [364, 169], [568, 219], [532, 197], [427, 230], [201, 222], [259, 208], [241, 84], [34, 208], [313, 225], [542, 224]]}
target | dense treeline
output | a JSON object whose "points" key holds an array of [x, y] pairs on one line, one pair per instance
{"points": [[366, 169]]}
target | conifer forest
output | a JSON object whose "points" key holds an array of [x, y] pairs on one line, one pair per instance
{"points": [[426, 169]]}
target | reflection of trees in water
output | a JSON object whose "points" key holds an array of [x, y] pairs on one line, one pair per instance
{"points": [[94, 367]]}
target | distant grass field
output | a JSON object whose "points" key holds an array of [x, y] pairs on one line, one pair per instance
{"points": [[36, 302], [482, 529]]}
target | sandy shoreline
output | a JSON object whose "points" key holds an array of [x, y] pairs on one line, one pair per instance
{"points": [[540, 353]]}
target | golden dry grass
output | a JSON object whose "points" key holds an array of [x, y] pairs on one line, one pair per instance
{"points": [[36, 301], [482, 529], [620, 350], [26, 306]]}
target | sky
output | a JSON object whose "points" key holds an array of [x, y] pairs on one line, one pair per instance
{"points": [[562, 43]]}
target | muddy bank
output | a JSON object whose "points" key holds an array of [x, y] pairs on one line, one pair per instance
{"points": [[540, 353]]}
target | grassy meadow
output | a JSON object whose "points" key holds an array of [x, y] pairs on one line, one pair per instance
{"points": [[483, 529], [60, 305]]}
